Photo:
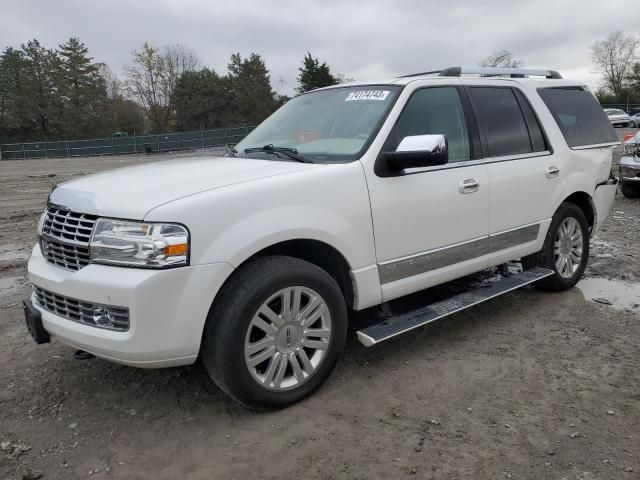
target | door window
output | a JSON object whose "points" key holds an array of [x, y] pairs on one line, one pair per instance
{"points": [[436, 110], [501, 120]]}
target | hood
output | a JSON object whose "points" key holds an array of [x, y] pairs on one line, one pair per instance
{"points": [[131, 192]]}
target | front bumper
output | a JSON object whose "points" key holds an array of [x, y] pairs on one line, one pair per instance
{"points": [[167, 308], [630, 169]]}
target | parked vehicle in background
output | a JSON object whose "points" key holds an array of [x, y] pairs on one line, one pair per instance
{"points": [[346, 198], [634, 120], [629, 168], [617, 117]]}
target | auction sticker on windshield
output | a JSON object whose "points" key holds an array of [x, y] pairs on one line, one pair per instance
{"points": [[367, 95]]}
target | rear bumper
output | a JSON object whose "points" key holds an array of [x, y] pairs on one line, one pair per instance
{"points": [[603, 200], [167, 308]]}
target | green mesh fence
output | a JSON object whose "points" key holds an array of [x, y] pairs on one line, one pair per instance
{"points": [[162, 142]]}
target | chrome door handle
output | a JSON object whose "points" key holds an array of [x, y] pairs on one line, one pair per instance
{"points": [[552, 171], [469, 185]]}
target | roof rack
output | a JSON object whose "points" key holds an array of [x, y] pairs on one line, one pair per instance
{"points": [[498, 71], [432, 72]]}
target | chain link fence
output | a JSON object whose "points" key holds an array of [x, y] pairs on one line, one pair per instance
{"points": [[163, 142]]}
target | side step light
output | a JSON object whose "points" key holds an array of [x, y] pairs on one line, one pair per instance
{"points": [[399, 324]]}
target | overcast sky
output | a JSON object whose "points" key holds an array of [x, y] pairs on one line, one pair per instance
{"points": [[364, 39]]}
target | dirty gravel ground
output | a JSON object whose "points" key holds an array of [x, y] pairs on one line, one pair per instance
{"points": [[530, 386]]}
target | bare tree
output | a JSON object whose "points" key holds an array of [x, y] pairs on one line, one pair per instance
{"points": [[111, 81], [501, 58], [152, 79], [613, 58]]}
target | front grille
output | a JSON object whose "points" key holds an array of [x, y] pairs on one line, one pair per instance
{"points": [[69, 257], [65, 237], [102, 316]]}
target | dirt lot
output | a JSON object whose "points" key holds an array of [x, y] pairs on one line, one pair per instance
{"points": [[532, 386]]}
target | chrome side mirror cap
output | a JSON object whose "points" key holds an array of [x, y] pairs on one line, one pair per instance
{"points": [[419, 151]]}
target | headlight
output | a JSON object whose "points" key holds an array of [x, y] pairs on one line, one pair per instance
{"points": [[139, 244], [629, 149]]}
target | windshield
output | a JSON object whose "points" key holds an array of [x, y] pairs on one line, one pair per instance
{"points": [[615, 112], [323, 126]]}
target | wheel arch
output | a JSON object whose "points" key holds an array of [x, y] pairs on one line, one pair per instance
{"points": [[320, 254], [314, 251], [585, 202]]}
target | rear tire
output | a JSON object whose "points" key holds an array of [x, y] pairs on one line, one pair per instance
{"points": [[565, 249], [274, 332], [630, 191]]}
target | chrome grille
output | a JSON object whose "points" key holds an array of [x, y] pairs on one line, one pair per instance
{"points": [[70, 257], [89, 313], [65, 236]]}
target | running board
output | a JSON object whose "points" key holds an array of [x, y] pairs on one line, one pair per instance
{"points": [[394, 326]]}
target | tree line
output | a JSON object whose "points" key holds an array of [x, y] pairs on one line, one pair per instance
{"points": [[53, 94], [63, 93]]}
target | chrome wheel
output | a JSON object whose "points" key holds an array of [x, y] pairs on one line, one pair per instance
{"points": [[567, 250], [288, 338]]}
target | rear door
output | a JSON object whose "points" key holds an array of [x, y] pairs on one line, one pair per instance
{"points": [[523, 172]]}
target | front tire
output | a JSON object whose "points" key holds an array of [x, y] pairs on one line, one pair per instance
{"points": [[565, 249], [274, 332]]}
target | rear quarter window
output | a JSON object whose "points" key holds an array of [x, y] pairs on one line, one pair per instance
{"points": [[579, 116]]}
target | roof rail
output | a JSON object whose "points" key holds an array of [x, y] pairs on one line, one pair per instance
{"points": [[432, 72], [499, 71]]}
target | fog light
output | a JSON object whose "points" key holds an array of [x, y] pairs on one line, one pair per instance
{"points": [[102, 317]]}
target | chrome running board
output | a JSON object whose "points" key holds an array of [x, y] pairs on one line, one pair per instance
{"points": [[399, 324]]}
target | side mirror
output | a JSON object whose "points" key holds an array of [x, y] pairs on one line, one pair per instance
{"points": [[419, 151]]}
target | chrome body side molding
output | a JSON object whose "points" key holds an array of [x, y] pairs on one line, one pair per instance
{"points": [[423, 262]]}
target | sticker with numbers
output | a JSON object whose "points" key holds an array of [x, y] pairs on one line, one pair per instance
{"points": [[367, 95]]}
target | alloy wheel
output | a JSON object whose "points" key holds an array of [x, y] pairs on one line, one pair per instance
{"points": [[567, 250], [288, 338]]}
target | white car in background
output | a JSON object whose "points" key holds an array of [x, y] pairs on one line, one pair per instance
{"points": [[617, 117]]}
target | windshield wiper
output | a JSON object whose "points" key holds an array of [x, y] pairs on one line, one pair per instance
{"points": [[288, 151]]}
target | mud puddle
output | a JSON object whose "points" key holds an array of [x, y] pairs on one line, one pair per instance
{"points": [[620, 295]]}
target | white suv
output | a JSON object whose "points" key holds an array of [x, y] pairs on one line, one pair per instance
{"points": [[345, 198]]}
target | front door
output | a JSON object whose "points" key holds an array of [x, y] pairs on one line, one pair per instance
{"points": [[430, 224]]}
